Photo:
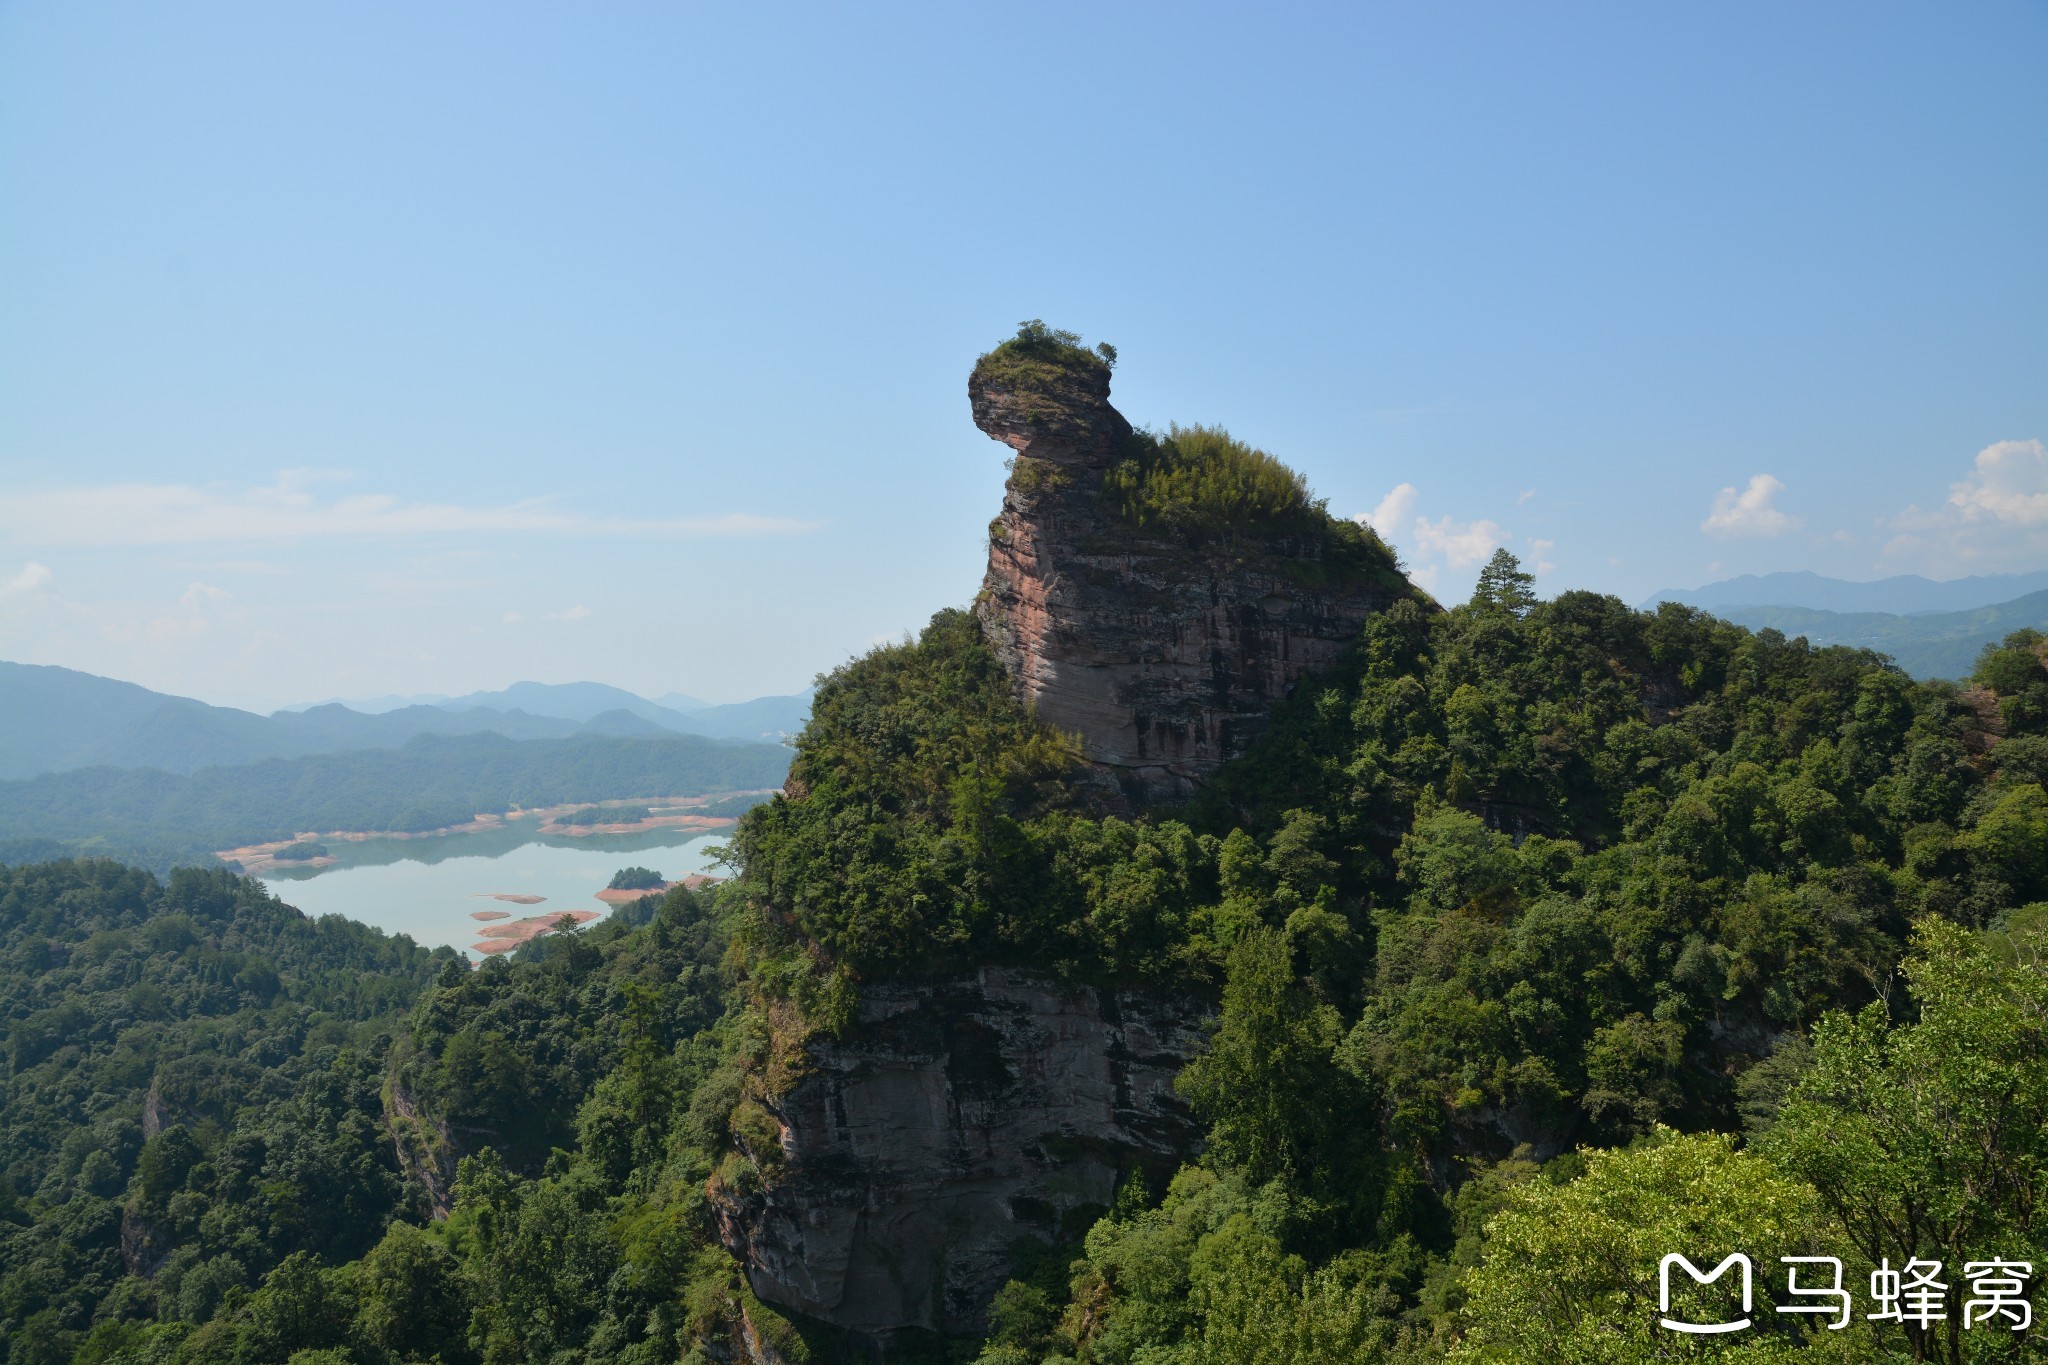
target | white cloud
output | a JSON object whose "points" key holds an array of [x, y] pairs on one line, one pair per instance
{"points": [[2010, 485], [1749, 513], [1522, 498], [1393, 512], [575, 613], [1542, 549], [1996, 516], [31, 577], [513, 618], [1434, 546], [164, 514], [1462, 544]]}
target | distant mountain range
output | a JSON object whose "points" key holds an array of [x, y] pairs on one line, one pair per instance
{"points": [[1931, 628], [582, 702], [1900, 595], [570, 701], [59, 719]]}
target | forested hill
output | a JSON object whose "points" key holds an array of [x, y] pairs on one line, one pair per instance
{"points": [[191, 1093], [1547, 937], [1927, 645], [430, 782]]}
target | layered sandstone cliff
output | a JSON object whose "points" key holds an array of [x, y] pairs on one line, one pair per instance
{"points": [[958, 1118], [1165, 657]]}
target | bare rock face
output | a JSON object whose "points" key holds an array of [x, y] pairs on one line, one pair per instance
{"points": [[1164, 659], [959, 1117]]}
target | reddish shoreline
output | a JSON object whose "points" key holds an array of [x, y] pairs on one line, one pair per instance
{"points": [[503, 938], [256, 859]]}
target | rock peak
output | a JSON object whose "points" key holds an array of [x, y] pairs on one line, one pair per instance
{"points": [[1046, 398], [1129, 611]]}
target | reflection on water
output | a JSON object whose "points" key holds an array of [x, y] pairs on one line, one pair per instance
{"points": [[514, 834], [428, 888]]}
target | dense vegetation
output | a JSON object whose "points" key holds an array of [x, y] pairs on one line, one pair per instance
{"points": [[1204, 488], [635, 879], [266, 1217], [190, 1094], [430, 782], [1545, 937], [1202, 480]]}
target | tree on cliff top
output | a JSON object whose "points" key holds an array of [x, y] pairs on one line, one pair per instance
{"points": [[1036, 342]]}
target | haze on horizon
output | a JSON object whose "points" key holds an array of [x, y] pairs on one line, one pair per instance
{"points": [[389, 350]]}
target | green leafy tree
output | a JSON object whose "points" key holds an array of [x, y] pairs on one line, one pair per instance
{"points": [[1930, 1140], [411, 1300], [1503, 586], [1571, 1272]]}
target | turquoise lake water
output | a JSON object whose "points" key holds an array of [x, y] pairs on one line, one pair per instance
{"points": [[428, 887]]}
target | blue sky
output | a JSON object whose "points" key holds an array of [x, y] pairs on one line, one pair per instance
{"points": [[362, 348]]}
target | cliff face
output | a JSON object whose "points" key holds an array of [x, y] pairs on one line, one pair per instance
{"points": [[961, 1116], [1165, 659]]}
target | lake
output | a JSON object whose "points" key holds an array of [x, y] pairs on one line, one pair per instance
{"points": [[428, 888]]}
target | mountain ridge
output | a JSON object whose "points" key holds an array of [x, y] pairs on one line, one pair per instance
{"points": [[1900, 594], [64, 720], [1927, 644]]}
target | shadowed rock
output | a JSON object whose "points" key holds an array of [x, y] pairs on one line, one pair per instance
{"points": [[959, 1117]]}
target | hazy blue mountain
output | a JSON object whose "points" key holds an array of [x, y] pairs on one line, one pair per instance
{"points": [[326, 729], [1901, 595], [58, 719], [1927, 645], [373, 706], [623, 723], [682, 703], [577, 701], [761, 718]]}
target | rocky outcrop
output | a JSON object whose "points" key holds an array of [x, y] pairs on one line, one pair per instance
{"points": [[143, 1245], [1164, 659], [958, 1117], [424, 1147]]}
